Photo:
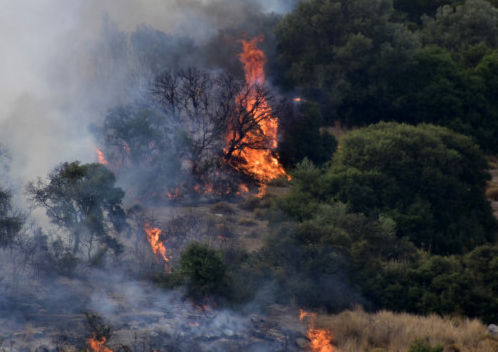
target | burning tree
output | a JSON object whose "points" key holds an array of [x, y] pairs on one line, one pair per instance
{"points": [[225, 117], [199, 132], [83, 200], [199, 104]]}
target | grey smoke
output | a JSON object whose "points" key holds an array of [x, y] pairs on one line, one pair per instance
{"points": [[55, 81]]}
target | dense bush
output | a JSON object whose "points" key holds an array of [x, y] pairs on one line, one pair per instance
{"points": [[302, 138], [428, 179], [204, 270], [360, 61], [423, 346], [356, 223], [83, 200]]}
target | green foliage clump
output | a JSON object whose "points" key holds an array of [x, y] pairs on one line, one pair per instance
{"points": [[413, 10], [423, 346], [466, 24], [82, 199], [315, 260], [343, 53], [397, 220], [302, 138], [204, 270], [428, 179], [364, 63], [446, 285]]}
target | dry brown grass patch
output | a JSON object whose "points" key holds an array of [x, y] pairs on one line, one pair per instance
{"points": [[357, 330]]}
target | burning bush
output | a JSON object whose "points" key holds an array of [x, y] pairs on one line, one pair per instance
{"points": [[198, 133]]}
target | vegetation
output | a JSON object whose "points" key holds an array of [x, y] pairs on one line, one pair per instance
{"points": [[397, 220], [83, 200], [10, 222], [302, 138], [384, 331], [204, 270], [395, 215], [429, 180], [364, 62]]}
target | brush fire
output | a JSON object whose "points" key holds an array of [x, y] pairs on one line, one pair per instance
{"points": [[154, 235], [101, 157], [97, 345], [182, 147], [262, 163], [320, 340]]}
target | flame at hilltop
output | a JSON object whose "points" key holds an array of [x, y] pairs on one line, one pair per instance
{"points": [[259, 162]]}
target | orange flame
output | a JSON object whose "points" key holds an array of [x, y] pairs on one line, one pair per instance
{"points": [[175, 194], [320, 339], [101, 157], [259, 162], [153, 236], [97, 345]]}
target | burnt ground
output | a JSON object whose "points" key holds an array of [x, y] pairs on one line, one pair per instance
{"points": [[146, 318]]}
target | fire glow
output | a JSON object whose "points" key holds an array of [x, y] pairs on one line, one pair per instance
{"points": [[320, 339], [259, 162], [101, 157], [153, 236], [97, 345]]}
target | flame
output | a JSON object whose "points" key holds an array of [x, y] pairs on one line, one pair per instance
{"points": [[175, 194], [101, 157], [320, 339], [153, 236], [242, 189], [259, 162], [297, 99], [97, 345]]}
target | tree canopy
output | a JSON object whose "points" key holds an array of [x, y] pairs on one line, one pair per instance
{"points": [[83, 200], [429, 179], [364, 63]]}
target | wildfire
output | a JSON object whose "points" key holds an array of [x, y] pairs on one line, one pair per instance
{"points": [[153, 236], [320, 339], [259, 162], [97, 345], [101, 157], [175, 194]]}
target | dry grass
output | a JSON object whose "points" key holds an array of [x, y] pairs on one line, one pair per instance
{"points": [[356, 331], [492, 192]]}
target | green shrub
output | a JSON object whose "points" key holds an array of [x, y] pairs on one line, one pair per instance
{"points": [[423, 346], [428, 179], [204, 270]]}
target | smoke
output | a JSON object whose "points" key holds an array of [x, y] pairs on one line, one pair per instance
{"points": [[66, 62]]}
